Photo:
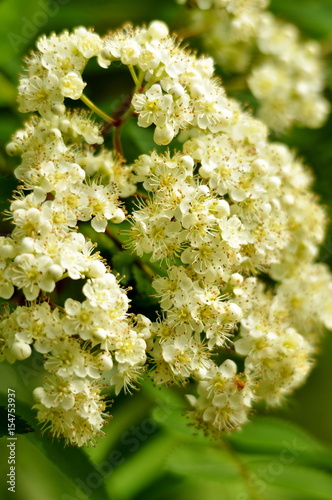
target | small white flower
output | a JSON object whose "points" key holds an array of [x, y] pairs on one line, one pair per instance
{"points": [[72, 85]]}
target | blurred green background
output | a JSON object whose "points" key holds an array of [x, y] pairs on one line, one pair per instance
{"points": [[150, 453]]}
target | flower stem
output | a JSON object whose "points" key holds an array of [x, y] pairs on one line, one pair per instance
{"points": [[133, 74], [117, 141], [97, 110], [117, 130], [112, 237]]}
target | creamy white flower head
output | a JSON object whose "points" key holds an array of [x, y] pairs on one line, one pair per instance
{"points": [[226, 213], [71, 408], [224, 399]]}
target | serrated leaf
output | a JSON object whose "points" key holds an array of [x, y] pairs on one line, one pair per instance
{"points": [[72, 462], [24, 410]]}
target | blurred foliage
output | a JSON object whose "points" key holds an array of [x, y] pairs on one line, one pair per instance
{"points": [[149, 451]]}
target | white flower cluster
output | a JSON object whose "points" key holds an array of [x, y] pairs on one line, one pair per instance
{"points": [[83, 339], [289, 83], [55, 72], [239, 17], [231, 215], [178, 92], [63, 183], [285, 73], [231, 206], [80, 343]]}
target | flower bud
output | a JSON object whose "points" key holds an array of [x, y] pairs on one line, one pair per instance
{"points": [[21, 350], [158, 30], [104, 362], [118, 216], [38, 394], [163, 135], [58, 109]]}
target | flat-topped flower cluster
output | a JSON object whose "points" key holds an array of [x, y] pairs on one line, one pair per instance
{"points": [[230, 217]]}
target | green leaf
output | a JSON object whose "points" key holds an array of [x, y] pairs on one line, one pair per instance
{"points": [[301, 483], [207, 462], [126, 413], [71, 461], [24, 410], [74, 463], [21, 425], [122, 263], [171, 418], [262, 476], [268, 435], [143, 286], [138, 140], [144, 465]]}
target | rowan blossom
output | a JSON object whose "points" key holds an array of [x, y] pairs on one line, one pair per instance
{"points": [[228, 215]]}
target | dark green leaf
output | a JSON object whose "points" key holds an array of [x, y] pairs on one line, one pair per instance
{"points": [[144, 465], [71, 461], [21, 425], [146, 292], [122, 263]]}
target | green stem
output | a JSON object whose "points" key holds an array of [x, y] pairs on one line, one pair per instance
{"points": [[140, 80], [128, 113], [152, 81], [97, 110], [55, 306], [133, 74]]}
